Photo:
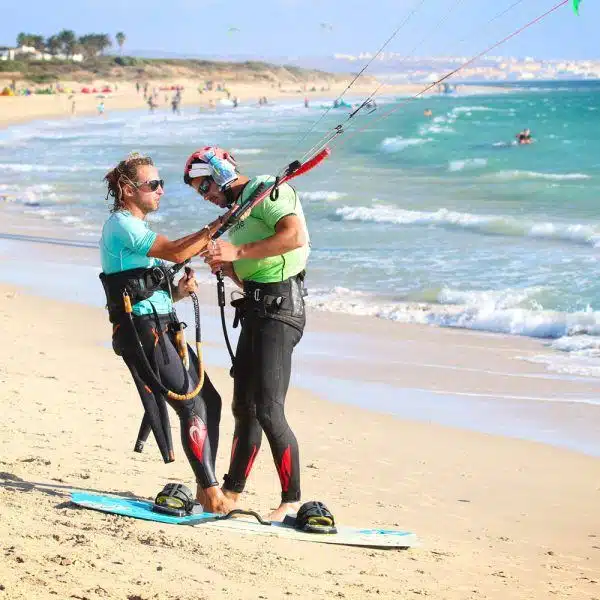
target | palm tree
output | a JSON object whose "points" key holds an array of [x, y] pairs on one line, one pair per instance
{"points": [[53, 45], [67, 40], [24, 39], [93, 44], [104, 42], [120, 37], [38, 42], [89, 45]]}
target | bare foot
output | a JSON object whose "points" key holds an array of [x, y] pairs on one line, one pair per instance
{"points": [[233, 496], [215, 501], [200, 495], [285, 508]]}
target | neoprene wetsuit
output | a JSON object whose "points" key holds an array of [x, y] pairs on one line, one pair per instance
{"points": [[124, 246], [199, 417], [272, 318]]}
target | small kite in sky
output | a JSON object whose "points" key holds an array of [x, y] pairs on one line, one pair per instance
{"points": [[576, 4]]}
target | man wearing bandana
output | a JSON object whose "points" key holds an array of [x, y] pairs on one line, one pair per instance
{"points": [[266, 256]]}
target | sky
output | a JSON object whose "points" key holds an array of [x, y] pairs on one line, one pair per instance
{"points": [[296, 28]]}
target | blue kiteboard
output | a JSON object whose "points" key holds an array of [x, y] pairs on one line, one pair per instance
{"points": [[142, 509]]}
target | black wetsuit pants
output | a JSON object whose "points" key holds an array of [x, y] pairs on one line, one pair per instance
{"points": [[200, 416], [262, 368]]}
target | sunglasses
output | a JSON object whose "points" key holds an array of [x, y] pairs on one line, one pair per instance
{"points": [[205, 185], [153, 184]]}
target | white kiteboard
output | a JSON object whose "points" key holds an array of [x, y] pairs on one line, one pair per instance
{"points": [[142, 509]]}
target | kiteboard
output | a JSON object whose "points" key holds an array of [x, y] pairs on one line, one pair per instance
{"points": [[142, 509]]}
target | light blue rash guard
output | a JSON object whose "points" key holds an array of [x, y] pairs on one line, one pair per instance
{"points": [[125, 243]]}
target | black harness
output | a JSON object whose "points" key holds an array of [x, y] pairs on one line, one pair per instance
{"points": [[125, 289], [282, 301], [140, 284]]}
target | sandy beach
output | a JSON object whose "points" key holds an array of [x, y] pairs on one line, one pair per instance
{"points": [[18, 109], [404, 426], [497, 517]]}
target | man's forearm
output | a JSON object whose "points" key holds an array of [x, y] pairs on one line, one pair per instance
{"points": [[180, 250], [193, 244]]}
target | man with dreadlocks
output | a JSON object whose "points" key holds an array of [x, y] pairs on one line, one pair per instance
{"points": [[266, 256], [130, 253]]}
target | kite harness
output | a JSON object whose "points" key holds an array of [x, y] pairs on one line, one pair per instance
{"points": [[126, 288]]}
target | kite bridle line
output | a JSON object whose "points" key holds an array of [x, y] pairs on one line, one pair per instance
{"points": [[319, 151], [494, 18], [462, 66], [358, 75], [455, 71], [435, 28], [366, 103], [315, 155]]}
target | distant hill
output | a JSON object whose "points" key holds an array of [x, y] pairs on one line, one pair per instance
{"points": [[115, 68]]}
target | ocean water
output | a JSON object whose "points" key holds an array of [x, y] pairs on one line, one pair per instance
{"points": [[441, 220]]}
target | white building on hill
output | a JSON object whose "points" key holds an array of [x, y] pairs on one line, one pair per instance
{"points": [[8, 53]]}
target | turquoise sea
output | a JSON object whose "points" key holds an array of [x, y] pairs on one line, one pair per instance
{"points": [[441, 220]]}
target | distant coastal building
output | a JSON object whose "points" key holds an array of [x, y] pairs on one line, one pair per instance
{"points": [[8, 53], [419, 69]]}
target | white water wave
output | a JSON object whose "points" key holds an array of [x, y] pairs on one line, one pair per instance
{"points": [[241, 151], [32, 195], [582, 344], [499, 316], [70, 220], [321, 195], [491, 300], [576, 355], [577, 365], [467, 163], [486, 224], [28, 168], [516, 174], [435, 128], [397, 144], [469, 109]]}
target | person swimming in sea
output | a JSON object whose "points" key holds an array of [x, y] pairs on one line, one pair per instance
{"points": [[524, 137]]}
